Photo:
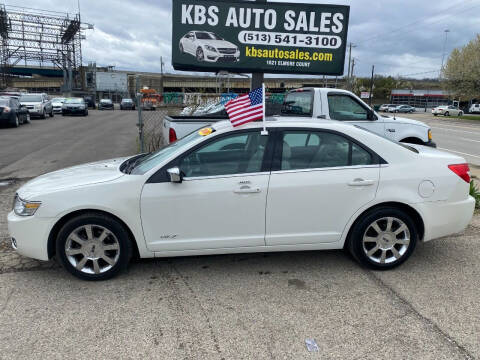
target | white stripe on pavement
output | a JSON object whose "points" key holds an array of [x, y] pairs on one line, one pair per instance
{"points": [[458, 152]]}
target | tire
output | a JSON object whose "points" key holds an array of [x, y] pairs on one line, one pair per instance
{"points": [[435, 114], [85, 113], [446, 114], [364, 238], [200, 55], [460, 113], [16, 122], [51, 114], [70, 251], [44, 115], [182, 51]]}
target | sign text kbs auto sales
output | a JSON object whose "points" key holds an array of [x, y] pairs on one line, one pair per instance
{"points": [[240, 36]]}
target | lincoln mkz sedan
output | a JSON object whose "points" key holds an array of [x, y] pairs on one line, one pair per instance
{"points": [[209, 47], [221, 190]]}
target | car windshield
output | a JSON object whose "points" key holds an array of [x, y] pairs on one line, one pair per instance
{"points": [[74, 101], [298, 103], [4, 102], [31, 98], [127, 100], [58, 100], [105, 101], [208, 36], [151, 160]]}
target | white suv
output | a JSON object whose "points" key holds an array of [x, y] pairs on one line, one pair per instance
{"points": [[475, 108]]}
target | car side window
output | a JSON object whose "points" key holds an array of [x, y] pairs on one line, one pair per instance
{"points": [[346, 108], [239, 153], [316, 149]]}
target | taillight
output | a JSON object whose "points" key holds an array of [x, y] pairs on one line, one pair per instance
{"points": [[462, 170], [6, 109], [172, 135]]}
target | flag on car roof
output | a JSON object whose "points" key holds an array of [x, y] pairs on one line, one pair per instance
{"points": [[245, 108]]}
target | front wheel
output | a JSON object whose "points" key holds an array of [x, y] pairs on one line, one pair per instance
{"points": [[200, 55], [93, 247], [460, 113], [446, 114], [51, 113], [383, 238]]}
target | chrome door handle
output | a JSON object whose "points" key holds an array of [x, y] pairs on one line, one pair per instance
{"points": [[361, 182], [245, 189]]}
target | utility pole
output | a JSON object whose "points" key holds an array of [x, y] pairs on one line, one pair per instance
{"points": [[351, 74], [444, 48], [161, 77], [371, 87], [350, 63], [257, 77]]}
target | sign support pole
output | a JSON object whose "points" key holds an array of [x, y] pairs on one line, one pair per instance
{"points": [[257, 77]]}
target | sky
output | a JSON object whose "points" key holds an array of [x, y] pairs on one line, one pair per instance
{"points": [[400, 37]]}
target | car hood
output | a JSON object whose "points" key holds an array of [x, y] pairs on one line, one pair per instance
{"points": [[217, 43], [57, 103], [76, 176], [401, 120]]}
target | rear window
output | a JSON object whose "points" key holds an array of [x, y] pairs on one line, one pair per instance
{"points": [[298, 103]]}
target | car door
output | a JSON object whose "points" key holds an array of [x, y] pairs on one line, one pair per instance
{"points": [[220, 202], [344, 107], [319, 180]]}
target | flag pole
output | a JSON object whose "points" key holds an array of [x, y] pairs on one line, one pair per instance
{"points": [[264, 131]]}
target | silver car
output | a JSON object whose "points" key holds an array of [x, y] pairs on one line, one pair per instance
{"points": [[38, 105]]}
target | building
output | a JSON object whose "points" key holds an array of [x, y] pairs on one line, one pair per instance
{"points": [[420, 98]]}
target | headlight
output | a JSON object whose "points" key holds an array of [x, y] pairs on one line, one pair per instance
{"points": [[37, 107], [430, 137], [25, 208], [210, 48]]}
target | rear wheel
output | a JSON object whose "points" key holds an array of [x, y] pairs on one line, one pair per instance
{"points": [[16, 122], [93, 247], [383, 238], [181, 49]]}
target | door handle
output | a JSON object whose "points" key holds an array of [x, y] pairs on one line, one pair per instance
{"points": [[361, 182], [245, 189]]}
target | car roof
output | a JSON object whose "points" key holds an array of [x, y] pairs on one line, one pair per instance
{"points": [[290, 122]]}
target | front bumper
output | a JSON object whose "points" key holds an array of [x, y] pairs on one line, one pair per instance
{"points": [[442, 218], [35, 113], [431, 144], [73, 111], [30, 234], [57, 110], [219, 57]]}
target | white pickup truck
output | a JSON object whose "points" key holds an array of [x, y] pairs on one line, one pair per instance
{"points": [[322, 103]]}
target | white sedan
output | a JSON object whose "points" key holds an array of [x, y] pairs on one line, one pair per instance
{"points": [[447, 110], [208, 47], [304, 186]]}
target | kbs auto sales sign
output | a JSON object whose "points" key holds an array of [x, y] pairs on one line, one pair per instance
{"points": [[241, 36]]}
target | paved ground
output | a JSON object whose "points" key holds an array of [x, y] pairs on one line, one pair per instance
{"points": [[458, 136], [236, 306]]}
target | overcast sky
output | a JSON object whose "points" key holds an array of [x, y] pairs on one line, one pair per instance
{"points": [[401, 37]]}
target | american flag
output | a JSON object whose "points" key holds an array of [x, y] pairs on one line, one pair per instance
{"points": [[245, 108]]}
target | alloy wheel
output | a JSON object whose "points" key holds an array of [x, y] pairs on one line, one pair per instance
{"points": [[386, 240], [200, 54], [92, 249]]}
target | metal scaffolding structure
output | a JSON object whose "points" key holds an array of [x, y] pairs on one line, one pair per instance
{"points": [[43, 38]]}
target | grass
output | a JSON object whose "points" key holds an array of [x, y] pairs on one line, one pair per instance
{"points": [[475, 193], [469, 117]]}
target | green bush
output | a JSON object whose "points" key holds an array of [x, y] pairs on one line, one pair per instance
{"points": [[475, 193]]}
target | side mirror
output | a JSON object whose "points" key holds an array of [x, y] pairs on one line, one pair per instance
{"points": [[175, 175], [371, 115]]}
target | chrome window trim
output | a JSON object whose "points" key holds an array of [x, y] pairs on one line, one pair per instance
{"points": [[375, 166], [225, 176]]}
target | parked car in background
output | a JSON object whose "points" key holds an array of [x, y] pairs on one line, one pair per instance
{"points": [[306, 185], [75, 106], [404, 109], [447, 110], [474, 109], [127, 104], [90, 101], [105, 104], [12, 113], [392, 108], [384, 107], [57, 105], [38, 105]]}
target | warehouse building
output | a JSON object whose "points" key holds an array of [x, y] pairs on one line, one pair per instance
{"points": [[419, 98]]}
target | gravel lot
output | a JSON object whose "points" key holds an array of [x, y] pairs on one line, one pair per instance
{"points": [[261, 306]]}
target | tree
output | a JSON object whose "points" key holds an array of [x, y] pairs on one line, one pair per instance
{"points": [[462, 71]]}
